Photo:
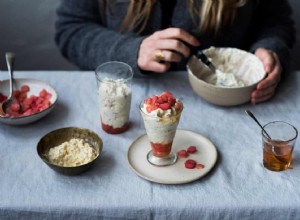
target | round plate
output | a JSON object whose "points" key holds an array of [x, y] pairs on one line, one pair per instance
{"points": [[175, 174], [35, 87]]}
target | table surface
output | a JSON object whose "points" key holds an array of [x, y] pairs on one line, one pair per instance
{"points": [[238, 187]]}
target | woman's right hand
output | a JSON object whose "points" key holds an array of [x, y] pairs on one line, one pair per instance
{"points": [[163, 47]]}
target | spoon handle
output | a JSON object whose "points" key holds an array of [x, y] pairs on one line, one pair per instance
{"points": [[200, 55], [254, 118], [10, 61]]}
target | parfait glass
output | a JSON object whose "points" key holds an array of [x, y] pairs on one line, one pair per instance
{"points": [[161, 132]]}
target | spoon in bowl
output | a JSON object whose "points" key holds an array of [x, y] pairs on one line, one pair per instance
{"points": [[10, 60], [200, 55]]}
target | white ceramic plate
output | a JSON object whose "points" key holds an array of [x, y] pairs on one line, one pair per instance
{"points": [[175, 174], [35, 87]]}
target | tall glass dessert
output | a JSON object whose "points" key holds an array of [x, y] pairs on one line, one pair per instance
{"points": [[114, 90], [161, 115]]}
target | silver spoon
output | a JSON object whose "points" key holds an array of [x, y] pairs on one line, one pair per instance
{"points": [[254, 118], [10, 60], [273, 147], [200, 55]]}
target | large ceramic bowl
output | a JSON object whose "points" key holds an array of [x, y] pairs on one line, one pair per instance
{"points": [[59, 136], [245, 67], [35, 87]]}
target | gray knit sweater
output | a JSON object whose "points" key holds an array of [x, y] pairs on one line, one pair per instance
{"points": [[87, 33]]}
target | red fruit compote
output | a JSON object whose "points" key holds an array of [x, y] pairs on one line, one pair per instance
{"points": [[161, 115]]}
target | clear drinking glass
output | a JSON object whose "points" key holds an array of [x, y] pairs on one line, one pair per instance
{"points": [[114, 90], [277, 151], [160, 132]]}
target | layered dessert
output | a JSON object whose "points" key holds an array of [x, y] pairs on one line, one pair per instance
{"points": [[161, 114], [115, 100]]}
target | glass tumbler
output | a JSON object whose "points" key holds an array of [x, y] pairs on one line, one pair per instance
{"points": [[277, 151], [114, 91]]}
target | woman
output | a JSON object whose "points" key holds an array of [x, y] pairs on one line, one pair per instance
{"points": [[158, 35]]}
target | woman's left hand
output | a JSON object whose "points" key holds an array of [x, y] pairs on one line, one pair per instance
{"points": [[266, 88]]}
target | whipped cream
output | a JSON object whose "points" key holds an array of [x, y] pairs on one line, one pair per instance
{"points": [[72, 153], [161, 124], [234, 67], [161, 113], [114, 99], [224, 79]]}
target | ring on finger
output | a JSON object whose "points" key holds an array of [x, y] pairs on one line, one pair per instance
{"points": [[159, 56]]}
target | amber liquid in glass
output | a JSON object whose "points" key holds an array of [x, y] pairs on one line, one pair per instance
{"points": [[277, 156]]}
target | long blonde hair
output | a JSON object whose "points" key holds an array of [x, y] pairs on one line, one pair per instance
{"points": [[212, 14], [215, 14]]}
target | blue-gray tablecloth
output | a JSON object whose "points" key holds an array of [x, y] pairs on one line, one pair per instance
{"points": [[238, 187]]}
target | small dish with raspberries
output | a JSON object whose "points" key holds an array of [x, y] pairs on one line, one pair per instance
{"points": [[32, 100]]}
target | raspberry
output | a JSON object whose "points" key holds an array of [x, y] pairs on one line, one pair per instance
{"points": [[191, 149], [23, 106], [15, 107], [16, 93], [24, 88], [200, 166], [151, 108], [28, 112], [160, 100], [171, 101], [165, 106], [168, 94], [2, 97], [190, 164], [43, 93], [182, 154]]}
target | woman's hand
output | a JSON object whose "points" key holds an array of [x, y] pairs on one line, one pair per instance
{"points": [[163, 47], [266, 88]]}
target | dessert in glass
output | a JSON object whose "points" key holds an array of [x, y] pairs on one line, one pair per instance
{"points": [[161, 115], [114, 90]]}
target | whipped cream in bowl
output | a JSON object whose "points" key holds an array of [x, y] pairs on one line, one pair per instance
{"points": [[237, 74], [224, 79], [235, 67]]}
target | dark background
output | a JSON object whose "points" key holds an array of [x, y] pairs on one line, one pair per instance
{"points": [[27, 28]]}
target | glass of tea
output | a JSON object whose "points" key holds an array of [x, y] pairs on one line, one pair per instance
{"points": [[278, 145]]}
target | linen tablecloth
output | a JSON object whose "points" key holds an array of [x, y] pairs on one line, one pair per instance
{"points": [[238, 187]]}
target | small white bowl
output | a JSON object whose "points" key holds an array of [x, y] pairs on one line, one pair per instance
{"points": [[245, 66], [35, 87]]}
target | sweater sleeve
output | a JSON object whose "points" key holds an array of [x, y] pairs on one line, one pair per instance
{"points": [[274, 29], [84, 40]]}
